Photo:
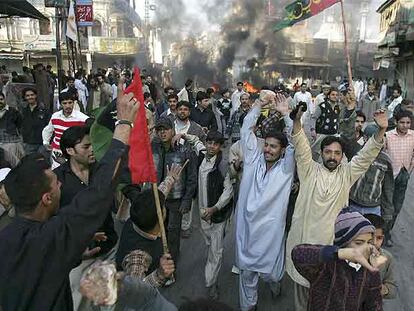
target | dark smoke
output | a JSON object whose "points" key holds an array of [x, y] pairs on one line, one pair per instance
{"points": [[239, 36]]}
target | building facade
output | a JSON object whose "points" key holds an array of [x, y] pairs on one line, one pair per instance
{"points": [[395, 53], [115, 38]]}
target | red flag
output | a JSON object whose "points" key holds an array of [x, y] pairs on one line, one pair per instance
{"points": [[141, 162], [319, 6]]}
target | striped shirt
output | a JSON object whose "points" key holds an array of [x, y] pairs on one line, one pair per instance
{"points": [[58, 124], [400, 148]]}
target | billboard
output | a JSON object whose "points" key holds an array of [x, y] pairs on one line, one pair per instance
{"points": [[84, 13]]}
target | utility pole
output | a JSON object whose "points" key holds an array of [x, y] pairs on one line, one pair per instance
{"points": [[59, 62]]}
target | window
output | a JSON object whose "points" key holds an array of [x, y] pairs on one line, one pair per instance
{"points": [[45, 27], [97, 29]]}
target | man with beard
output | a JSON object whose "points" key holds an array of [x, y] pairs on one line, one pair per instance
{"points": [[262, 206], [59, 122], [74, 176], [324, 191], [369, 103], [183, 124]]}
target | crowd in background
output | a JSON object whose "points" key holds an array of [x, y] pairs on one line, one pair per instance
{"points": [[313, 181]]}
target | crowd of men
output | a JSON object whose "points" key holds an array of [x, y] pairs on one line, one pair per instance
{"points": [[314, 186]]}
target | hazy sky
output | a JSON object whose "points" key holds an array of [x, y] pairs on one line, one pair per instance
{"points": [[193, 8]]}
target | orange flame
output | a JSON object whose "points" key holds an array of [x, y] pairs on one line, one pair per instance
{"points": [[249, 87]]}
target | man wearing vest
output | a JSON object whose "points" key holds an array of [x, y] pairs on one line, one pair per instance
{"points": [[215, 193]]}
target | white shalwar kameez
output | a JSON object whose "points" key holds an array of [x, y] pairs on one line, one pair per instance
{"points": [[261, 214]]}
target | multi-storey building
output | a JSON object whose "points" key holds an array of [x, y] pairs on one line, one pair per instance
{"points": [[116, 37], [395, 55]]}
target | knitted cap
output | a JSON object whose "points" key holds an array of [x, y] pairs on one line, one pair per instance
{"points": [[350, 224]]}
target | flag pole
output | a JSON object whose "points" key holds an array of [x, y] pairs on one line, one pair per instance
{"points": [[348, 56], [160, 218]]}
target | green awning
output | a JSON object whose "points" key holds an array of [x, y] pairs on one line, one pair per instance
{"points": [[20, 8]]}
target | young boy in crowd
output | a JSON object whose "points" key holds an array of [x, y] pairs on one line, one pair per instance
{"points": [[389, 286], [343, 276]]}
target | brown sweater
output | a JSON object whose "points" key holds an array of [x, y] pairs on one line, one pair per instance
{"points": [[334, 285]]}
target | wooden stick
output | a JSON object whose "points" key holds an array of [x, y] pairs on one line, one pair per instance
{"points": [[159, 212], [184, 165], [160, 218], [348, 56]]}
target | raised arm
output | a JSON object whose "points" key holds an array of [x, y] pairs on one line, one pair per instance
{"points": [[75, 225], [248, 139], [303, 152]]}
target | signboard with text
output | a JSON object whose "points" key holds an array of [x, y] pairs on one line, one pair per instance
{"points": [[114, 46], [84, 13], [55, 3]]}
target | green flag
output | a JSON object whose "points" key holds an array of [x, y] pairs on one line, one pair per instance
{"points": [[301, 10]]}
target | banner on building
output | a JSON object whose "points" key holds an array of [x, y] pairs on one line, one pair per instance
{"points": [[84, 13], [301, 10], [71, 28]]}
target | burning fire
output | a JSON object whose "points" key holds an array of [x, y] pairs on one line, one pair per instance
{"points": [[249, 87]]}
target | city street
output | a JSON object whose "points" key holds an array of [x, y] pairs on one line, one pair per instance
{"points": [[190, 273]]}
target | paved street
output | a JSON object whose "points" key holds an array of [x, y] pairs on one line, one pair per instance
{"points": [[190, 274]]}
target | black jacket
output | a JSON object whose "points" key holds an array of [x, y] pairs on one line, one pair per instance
{"points": [[71, 186], [11, 121], [205, 118], [36, 257], [33, 124], [132, 240], [184, 188]]}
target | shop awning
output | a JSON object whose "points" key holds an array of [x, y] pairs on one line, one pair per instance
{"points": [[20, 8]]}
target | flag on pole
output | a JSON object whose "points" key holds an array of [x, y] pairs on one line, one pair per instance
{"points": [[301, 10], [141, 162], [71, 27]]}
